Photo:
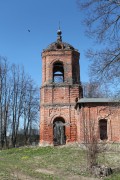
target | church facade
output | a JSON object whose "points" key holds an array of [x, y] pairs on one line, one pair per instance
{"points": [[65, 116]]}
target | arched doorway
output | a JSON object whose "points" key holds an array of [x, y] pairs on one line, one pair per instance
{"points": [[59, 137]]}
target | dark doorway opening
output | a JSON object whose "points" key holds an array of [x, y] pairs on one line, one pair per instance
{"points": [[103, 129], [59, 137]]}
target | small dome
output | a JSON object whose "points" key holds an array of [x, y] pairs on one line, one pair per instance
{"points": [[59, 45]]}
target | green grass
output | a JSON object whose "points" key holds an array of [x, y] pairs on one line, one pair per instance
{"points": [[115, 176], [111, 159], [49, 163]]}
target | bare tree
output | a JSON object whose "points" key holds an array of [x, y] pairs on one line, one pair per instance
{"points": [[31, 109], [93, 90], [19, 104], [25, 104], [4, 101], [102, 19], [90, 138], [17, 95], [94, 139]]}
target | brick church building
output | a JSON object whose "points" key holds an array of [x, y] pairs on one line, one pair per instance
{"points": [[65, 115]]}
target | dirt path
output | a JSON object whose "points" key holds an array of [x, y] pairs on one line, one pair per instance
{"points": [[21, 176], [65, 177], [81, 178]]}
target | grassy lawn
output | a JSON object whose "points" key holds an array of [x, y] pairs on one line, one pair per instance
{"points": [[50, 163]]}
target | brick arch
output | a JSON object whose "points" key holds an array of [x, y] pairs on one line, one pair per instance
{"points": [[57, 116], [51, 66], [58, 72], [56, 60], [59, 131], [104, 117]]}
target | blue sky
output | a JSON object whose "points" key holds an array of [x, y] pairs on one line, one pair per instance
{"points": [[42, 18]]}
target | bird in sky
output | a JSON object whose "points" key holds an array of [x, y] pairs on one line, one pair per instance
{"points": [[28, 30]]}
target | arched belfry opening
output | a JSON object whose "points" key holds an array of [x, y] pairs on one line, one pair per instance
{"points": [[58, 72], [103, 129], [59, 137]]}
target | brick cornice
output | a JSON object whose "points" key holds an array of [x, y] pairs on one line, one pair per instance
{"points": [[63, 54], [58, 105], [60, 85]]}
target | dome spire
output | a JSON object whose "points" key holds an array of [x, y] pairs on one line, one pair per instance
{"points": [[59, 32]]}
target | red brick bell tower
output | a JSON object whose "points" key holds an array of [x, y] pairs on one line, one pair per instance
{"points": [[59, 91]]}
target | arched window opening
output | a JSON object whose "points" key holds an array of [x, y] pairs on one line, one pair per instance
{"points": [[103, 129], [59, 137], [58, 72]]}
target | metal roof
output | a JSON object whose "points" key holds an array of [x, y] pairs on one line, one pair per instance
{"points": [[97, 100]]}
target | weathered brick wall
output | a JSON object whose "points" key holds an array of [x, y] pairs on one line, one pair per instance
{"points": [[50, 113], [70, 62], [92, 113], [58, 100], [60, 94]]}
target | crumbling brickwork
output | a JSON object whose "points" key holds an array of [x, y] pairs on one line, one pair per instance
{"points": [[64, 114], [89, 117], [59, 99]]}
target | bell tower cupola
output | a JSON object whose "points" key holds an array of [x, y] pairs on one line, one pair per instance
{"points": [[60, 57]]}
